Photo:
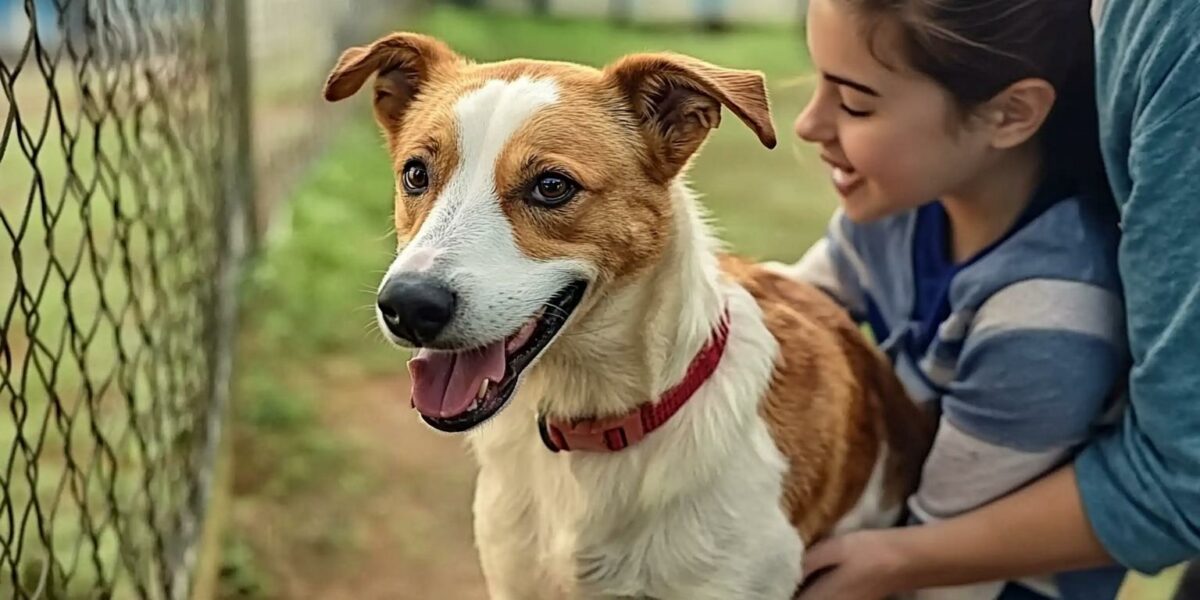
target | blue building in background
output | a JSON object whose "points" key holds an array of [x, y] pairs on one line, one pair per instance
{"points": [[14, 23]]}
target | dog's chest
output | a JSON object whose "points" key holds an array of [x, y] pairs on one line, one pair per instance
{"points": [[596, 528], [612, 544]]}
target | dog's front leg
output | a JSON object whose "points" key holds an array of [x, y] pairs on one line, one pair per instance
{"points": [[505, 535]]}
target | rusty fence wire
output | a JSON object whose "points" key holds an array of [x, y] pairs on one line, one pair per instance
{"points": [[143, 146]]}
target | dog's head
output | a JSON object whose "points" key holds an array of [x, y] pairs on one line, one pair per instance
{"points": [[523, 187]]}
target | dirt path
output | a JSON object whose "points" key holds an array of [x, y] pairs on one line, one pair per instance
{"points": [[406, 535], [421, 544]]}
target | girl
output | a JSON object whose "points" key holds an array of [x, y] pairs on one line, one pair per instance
{"points": [[974, 235]]}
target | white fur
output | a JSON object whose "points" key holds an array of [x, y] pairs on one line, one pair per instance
{"points": [[691, 512], [873, 510], [467, 240], [417, 260]]}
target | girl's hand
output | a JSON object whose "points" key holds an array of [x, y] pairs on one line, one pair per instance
{"points": [[862, 565]]}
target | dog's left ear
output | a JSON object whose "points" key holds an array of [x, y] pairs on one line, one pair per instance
{"points": [[402, 63], [678, 100]]}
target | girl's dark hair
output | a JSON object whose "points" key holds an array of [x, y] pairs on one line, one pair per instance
{"points": [[977, 48]]}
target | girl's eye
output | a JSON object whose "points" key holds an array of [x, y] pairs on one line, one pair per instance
{"points": [[855, 113]]}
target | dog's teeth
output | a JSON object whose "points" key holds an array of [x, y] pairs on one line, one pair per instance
{"points": [[483, 388]]}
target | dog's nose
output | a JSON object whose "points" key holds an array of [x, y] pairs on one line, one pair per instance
{"points": [[416, 308]]}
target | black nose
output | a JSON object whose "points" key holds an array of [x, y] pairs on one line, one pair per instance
{"points": [[416, 308]]}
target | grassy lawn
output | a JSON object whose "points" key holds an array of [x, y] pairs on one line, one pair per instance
{"points": [[301, 480]]}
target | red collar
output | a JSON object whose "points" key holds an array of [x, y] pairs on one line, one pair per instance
{"points": [[617, 433]]}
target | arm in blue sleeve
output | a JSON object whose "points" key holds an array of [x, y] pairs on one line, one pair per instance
{"points": [[1032, 380], [1140, 483], [833, 265]]}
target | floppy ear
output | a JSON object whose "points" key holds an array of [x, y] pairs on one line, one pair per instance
{"points": [[403, 63], [678, 101]]}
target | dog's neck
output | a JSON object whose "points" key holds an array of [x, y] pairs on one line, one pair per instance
{"points": [[637, 341]]}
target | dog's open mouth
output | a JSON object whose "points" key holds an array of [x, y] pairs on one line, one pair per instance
{"points": [[456, 391]]}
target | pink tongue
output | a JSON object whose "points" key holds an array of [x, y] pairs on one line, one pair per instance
{"points": [[444, 384]]}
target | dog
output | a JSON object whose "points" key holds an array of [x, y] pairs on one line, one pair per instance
{"points": [[652, 417]]}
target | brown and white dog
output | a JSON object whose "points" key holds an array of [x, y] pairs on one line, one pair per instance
{"points": [[651, 419]]}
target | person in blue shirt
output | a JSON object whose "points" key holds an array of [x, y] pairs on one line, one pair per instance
{"points": [[1132, 494], [975, 236]]}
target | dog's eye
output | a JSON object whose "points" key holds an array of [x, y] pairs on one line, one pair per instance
{"points": [[553, 189], [415, 177]]}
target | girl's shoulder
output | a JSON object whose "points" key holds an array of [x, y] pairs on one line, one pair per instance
{"points": [[1073, 243]]}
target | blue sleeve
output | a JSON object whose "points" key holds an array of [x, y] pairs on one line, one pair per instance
{"points": [[1032, 382], [1033, 390], [834, 266], [1141, 482]]}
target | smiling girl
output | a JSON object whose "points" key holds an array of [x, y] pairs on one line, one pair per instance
{"points": [[975, 235]]}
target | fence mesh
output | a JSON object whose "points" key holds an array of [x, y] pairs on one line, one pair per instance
{"points": [[114, 232], [126, 172]]}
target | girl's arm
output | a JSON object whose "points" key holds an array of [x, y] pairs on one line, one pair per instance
{"points": [[833, 265], [1040, 529], [1036, 366]]}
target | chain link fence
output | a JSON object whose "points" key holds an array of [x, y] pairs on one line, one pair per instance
{"points": [[143, 143]]}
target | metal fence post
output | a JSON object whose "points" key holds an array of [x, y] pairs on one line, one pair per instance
{"points": [[233, 195], [241, 164]]}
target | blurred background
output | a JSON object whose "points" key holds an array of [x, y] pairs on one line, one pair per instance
{"points": [[196, 402]]}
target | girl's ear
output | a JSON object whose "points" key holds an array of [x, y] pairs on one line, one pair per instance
{"points": [[1017, 113]]}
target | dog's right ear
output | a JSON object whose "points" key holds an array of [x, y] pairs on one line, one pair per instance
{"points": [[678, 100], [402, 62]]}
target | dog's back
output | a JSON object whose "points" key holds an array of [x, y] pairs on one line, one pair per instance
{"points": [[854, 440]]}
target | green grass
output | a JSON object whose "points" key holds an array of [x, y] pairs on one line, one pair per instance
{"points": [[313, 290], [308, 308], [1159, 587]]}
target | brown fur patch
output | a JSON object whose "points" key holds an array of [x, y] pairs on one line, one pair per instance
{"points": [[677, 99], [615, 220], [833, 399], [426, 133]]}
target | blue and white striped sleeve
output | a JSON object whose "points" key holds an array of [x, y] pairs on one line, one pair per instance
{"points": [[1038, 366], [834, 265]]}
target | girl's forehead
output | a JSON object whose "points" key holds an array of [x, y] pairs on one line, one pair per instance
{"points": [[843, 42]]}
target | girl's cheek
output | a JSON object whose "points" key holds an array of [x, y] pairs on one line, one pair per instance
{"points": [[876, 150], [862, 148]]}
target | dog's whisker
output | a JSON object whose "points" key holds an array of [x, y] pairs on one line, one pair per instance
{"points": [[556, 311]]}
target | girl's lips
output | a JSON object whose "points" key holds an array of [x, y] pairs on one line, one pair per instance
{"points": [[845, 178]]}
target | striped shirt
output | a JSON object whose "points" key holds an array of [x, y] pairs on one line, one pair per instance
{"points": [[1020, 349]]}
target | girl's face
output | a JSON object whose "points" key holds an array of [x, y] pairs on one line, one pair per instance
{"points": [[893, 138]]}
